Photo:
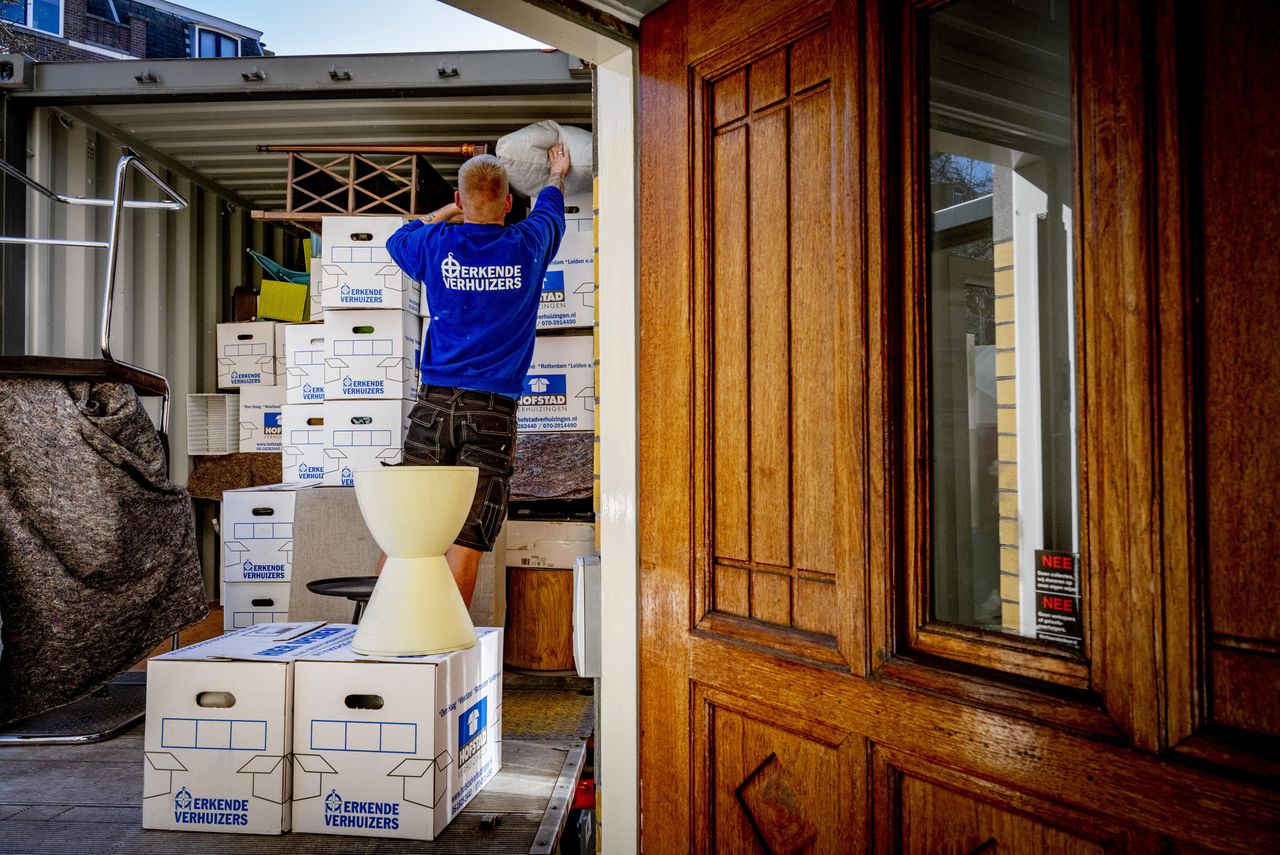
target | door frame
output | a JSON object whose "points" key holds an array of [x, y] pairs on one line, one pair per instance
{"points": [[617, 216]]}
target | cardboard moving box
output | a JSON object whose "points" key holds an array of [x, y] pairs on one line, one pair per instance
{"points": [[357, 269], [371, 354], [303, 375], [394, 747], [317, 285], [219, 730], [257, 533], [303, 442], [246, 354], [559, 390], [251, 603], [548, 543], [569, 288], [260, 410], [359, 434]]}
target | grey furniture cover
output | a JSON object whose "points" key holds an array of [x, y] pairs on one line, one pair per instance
{"points": [[98, 560]]}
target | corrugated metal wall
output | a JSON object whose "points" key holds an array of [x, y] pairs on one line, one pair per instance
{"points": [[176, 270], [175, 276]]}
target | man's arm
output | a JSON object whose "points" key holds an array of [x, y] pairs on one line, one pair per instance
{"points": [[450, 213], [405, 246]]}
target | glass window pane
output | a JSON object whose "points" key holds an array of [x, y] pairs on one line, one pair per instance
{"points": [[47, 15], [228, 46], [14, 10], [1001, 293], [208, 43]]}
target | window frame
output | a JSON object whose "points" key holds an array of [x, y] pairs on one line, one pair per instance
{"points": [[28, 22], [919, 632], [197, 29]]}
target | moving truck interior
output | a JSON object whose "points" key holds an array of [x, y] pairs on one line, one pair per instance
{"points": [[218, 135]]}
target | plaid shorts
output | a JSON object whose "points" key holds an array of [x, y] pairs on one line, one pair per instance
{"points": [[463, 427]]}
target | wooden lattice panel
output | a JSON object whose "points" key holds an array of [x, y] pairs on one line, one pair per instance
{"points": [[370, 179]]}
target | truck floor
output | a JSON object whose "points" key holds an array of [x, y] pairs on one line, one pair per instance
{"points": [[81, 799]]}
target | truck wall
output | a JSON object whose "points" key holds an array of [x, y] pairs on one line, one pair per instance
{"points": [[176, 271]]}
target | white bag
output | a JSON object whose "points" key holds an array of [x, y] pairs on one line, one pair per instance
{"points": [[524, 154]]}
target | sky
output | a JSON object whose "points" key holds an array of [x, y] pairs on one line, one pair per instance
{"points": [[297, 27]]}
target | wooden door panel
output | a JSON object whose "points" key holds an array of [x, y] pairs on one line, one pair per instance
{"points": [[813, 387], [769, 348], [938, 820], [775, 489], [714, 25], [730, 438], [1244, 690], [776, 785], [1241, 362], [769, 381], [932, 810]]}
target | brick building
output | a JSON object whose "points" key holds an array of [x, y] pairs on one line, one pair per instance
{"points": [[53, 30]]}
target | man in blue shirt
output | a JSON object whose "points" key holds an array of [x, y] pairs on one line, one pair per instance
{"points": [[483, 284]]}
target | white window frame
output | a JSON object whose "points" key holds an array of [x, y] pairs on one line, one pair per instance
{"points": [[30, 7], [195, 41]]}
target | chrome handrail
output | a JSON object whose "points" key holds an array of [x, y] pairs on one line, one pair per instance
{"points": [[117, 203], [15, 172]]}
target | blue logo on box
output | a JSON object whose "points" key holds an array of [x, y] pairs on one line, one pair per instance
{"points": [[553, 287], [545, 384], [545, 390], [472, 722]]}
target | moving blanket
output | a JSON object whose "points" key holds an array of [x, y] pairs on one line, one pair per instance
{"points": [[98, 559]]}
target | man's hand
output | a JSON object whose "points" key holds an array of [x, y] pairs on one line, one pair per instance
{"points": [[450, 213], [558, 156]]}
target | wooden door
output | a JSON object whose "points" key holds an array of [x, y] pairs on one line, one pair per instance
{"points": [[795, 693]]}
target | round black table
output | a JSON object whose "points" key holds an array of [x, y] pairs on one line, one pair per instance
{"points": [[354, 588]]}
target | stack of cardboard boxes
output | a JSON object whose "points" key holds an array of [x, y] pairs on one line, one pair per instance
{"points": [[559, 395], [372, 339], [277, 727], [257, 554], [559, 390], [250, 357], [334, 395], [331, 396]]}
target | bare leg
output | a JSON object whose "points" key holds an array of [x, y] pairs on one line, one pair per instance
{"points": [[465, 564]]}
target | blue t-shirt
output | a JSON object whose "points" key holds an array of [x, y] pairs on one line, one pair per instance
{"points": [[484, 283]]}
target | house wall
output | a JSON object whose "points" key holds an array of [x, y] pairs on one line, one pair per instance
{"points": [[143, 31], [49, 48]]}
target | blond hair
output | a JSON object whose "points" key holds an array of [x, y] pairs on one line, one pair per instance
{"points": [[482, 183]]}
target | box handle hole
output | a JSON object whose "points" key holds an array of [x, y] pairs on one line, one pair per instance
{"points": [[365, 330], [318, 342], [362, 420], [263, 603], [216, 700], [571, 209], [364, 702], [315, 420], [244, 337], [361, 236], [264, 512]]}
